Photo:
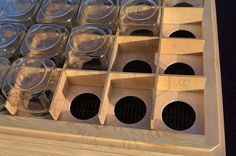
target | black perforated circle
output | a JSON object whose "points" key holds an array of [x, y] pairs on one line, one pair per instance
{"points": [[137, 66], [182, 34], [142, 32], [179, 69], [183, 4]]}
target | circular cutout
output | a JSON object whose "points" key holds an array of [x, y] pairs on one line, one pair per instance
{"points": [[137, 66], [142, 32], [179, 116], [130, 110], [94, 64], [85, 106], [179, 69], [182, 34], [183, 4]]}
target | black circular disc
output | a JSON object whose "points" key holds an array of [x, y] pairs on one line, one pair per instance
{"points": [[130, 110], [182, 34], [179, 116], [179, 69], [137, 66], [183, 4], [142, 32], [85, 106]]}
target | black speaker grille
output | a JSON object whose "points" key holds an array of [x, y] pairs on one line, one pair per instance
{"points": [[179, 116], [130, 110], [85, 106]]}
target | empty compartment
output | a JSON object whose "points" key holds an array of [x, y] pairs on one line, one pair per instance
{"points": [[99, 13], [62, 12], [79, 96], [179, 112], [135, 54], [181, 64], [140, 17], [183, 3], [129, 101]]}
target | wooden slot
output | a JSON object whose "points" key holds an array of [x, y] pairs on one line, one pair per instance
{"points": [[124, 89], [181, 83], [195, 29], [183, 3], [181, 46], [135, 54], [194, 61], [182, 15], [171, 120], [79, 92]]}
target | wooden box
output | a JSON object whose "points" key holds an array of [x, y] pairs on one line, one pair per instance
{"points": [[154, 87]]}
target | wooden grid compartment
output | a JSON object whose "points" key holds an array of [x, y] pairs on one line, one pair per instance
{"points": [[162, 129], [135, 54]]}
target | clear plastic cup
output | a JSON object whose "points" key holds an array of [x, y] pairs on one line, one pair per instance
{"points": [[89, 48], [46, 41], [99, 13], [23, 11], [29, 85], [11, 38], [62, 12], [140, 17], [4, 67]]}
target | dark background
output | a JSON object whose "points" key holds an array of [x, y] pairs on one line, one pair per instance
{"points": [[226, 12]]}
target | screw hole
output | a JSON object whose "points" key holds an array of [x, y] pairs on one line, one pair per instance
{"points": [[142, 32], [182, 34], [183, 4], [179, 69], [130, 110], [85, 106], [179, 116], [137, 66]]}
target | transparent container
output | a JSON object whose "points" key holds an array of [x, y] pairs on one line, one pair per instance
{"points": [[140, 17], [62, 12], [99, 13], [11, 38], [4, 67], [89, 48], [46, 41], [29, 85], [22, 11]]}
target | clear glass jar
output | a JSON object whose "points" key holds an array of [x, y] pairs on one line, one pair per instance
{"points": [[11, 38], [62, 12], [29, 85], [99, 13], [89, 48], [4, 67], [140, 17], [46, 41], [22, 11]]}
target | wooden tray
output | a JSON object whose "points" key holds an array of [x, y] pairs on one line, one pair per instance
{"points": [[104, 135]]}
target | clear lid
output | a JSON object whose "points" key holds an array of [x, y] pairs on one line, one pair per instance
{"points": [[88, 39], [98, 9], [57, 8], [30, 75], [140, 9], [8, 34], [4, 66], [15, 8], [40, 40]]}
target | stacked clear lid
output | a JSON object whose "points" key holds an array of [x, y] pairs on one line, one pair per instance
{"points": [[23, 11], [29, 85], [62, 12], [4, 67], [99, 13], [138, 15], [46, 41], [89, 48], [11, 37]]}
